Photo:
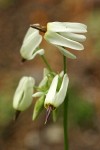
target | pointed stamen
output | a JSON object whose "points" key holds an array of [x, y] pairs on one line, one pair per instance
{"points": [[39, 27], [49, 110]]}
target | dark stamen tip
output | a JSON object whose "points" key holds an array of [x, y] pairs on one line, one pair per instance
{"points": [[49, 110]]}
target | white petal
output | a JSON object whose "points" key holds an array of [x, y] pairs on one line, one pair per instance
{"points": [[23, 94], [66, 27], [50, 97], [62, 92], [73, 36], [56, 39], [66, 53], [19, 92], [56, 27], [37, 94], [75, 27], [28, 91], [30, 43], [38, 52], [61, 74], [41, 52], [31, 33], [45, 72], [43, 82]]}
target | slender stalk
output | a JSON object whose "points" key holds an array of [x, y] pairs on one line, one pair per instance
{"points": [[47, 64], [65, 119]]}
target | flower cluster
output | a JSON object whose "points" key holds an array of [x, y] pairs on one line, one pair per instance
{"points": [[51, 91]]}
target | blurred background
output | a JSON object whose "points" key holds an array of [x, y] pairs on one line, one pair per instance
{"points": [[84, 74]]}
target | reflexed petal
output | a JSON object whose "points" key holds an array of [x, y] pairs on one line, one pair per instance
{"points": [[75, 24], [62, 92], [75, 27], [28, 91], [38, 94], [56, 27], [30, 34], [66, 27], [45, 72], [59, 40], [23, 94], [30, 43], [50, 97], [39, 105], [73, 36], [43, 82], [19, 92], [66, 52], [61, 74], [38, 52]]}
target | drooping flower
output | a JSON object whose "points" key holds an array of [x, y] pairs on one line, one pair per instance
{"points": [[30, 47], [66, 34], [23, 94], [56, 95]]}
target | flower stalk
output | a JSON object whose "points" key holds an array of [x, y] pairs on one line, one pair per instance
{"points": [[65, 119], [47, 64]]}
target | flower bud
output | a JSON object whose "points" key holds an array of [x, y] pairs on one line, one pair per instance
{"points": [[39, 105], [23, 94]]}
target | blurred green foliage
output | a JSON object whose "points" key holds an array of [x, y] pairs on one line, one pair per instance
{"points": [[5, 108], [93, 23], [81, 111], [6, 3]]}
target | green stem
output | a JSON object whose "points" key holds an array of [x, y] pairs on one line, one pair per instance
{"points": [[65, 120], [47, 64]]}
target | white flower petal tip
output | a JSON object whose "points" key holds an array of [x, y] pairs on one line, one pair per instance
{"points": [[30, 46], [23, 94], [45, 72], [55, 98], [38, 107], [40, 52], [43, 82], [38, 94], [45, 78], [61, 74], [66, 53]]}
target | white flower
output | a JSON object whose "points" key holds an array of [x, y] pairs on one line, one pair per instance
{"points": [[66, 34], [55, 98], [23, 94], [30, 47]]}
